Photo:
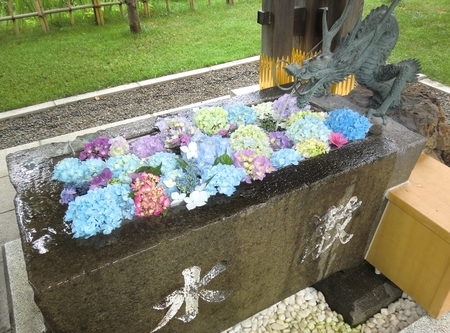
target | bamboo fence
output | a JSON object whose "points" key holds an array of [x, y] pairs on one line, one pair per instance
{"points": [[96, 6]]}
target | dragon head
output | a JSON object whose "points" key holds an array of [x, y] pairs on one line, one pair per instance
{"points": [[313, 76]]}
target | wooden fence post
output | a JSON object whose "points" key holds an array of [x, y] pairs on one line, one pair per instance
{"points": [[11, 12], [192, 4], [98, 12], [69, 5], [41, 14], [168, 5]]}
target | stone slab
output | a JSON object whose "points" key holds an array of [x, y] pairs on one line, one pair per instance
{"points": [[9, 227], [27, 317], [7, 195], [262, 244], [5, 322], [358, 293]]}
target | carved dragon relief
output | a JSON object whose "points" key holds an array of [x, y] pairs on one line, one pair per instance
{"points": [[363, 52]]}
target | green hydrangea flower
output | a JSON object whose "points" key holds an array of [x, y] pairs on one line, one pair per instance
{"points": [[210, 120], [312, 147], [302, 114], [251, 137]]}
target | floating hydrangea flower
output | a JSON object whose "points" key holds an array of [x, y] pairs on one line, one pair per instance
{"points": [[210, 120], [251, 137], [197, 198], [256, 167], [285, 157], [222, 179], [68, 194], [307, 128], [148, 145], [118, 146], [209, 148], [122, 166], [102, 179], [149, 198], [177, 131], [189, 179], [100, 211], [241, 115], [279, 140], [337, 139], [167, 161], [312, 147], [351, 124], [69, 170], [285, 106], [303, 113], [190, 151], [264, 110], [97, 148]]}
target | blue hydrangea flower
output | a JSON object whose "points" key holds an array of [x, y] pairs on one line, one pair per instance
{"points": [[222, 179], [121, 166], [308, 128], [69, 170], [351, 124], [241, 115], [209, 148], [168, 161], [100, 211], [285, 157]]}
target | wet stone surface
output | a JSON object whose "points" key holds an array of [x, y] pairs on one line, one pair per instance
{"points": [[215, 265]]}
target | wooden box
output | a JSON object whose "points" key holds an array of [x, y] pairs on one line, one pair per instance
{"points": [[411, 246]]}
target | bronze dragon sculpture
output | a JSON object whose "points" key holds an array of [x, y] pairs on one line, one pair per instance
{"points": [[363, 52]]}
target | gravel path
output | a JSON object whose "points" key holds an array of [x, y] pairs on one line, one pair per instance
{"points": [[103, 110], [108, 109]]}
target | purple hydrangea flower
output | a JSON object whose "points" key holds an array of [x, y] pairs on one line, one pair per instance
{"points": [[102, 179], [97, 148], [148, 145], [278, 140]]}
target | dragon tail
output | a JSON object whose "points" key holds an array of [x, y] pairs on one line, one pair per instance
{"points": [[413, 66]]}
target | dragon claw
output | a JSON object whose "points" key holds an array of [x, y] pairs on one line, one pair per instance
{"points": [[373, 113]]}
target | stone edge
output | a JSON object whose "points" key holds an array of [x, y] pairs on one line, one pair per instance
{"points": [[25, 315]]}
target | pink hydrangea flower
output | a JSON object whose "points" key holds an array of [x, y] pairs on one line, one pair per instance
{"points": [[338, 139], [149, 198]]}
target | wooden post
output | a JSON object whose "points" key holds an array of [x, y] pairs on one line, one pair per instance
{"points": [[168, 5], [69, 5], [98, 12], [276, 41], [11, 12], [41, 15], [192, 4], [121, 8], [296, 33], [146, 8]]}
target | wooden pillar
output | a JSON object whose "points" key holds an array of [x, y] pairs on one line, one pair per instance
{"points": [[276, 41], [297, 32], [98, 12]]}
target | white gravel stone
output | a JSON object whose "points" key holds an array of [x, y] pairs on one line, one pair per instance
{"points": [[308, 312]]}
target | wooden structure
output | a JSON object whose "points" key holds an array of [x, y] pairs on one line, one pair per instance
{"points": [[412, 244], [292, 28]]}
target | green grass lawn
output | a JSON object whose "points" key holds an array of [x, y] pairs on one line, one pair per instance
{"points": [[424, 35], [69, 60]]}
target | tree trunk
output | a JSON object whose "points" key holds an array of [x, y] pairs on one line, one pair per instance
{"points": [[133, 16]]}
